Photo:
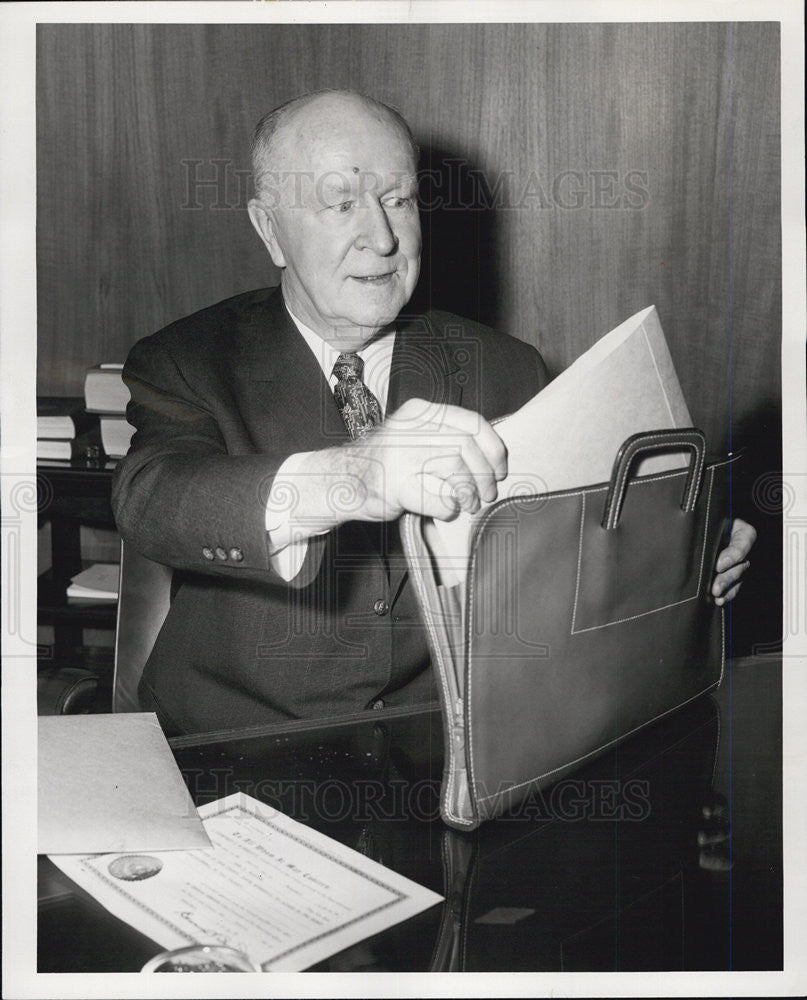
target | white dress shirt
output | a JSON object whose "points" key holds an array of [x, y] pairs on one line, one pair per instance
{"points": [[289, 551]]}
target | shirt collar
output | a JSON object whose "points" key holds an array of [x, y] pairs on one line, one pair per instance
{"points": [[326, 354]]}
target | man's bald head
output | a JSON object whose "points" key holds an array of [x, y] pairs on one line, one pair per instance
{"points": [[336, 207], [301, 114]]}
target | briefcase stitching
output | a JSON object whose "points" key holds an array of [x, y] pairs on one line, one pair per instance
{"points": [[408, 528], [430, 628], [613, 742], [476, 798], [498, 505], [651, 611], [710, 687], [579, 559], [452, 769]]}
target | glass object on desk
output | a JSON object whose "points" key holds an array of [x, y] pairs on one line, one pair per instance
{"points": [[201, 958]]}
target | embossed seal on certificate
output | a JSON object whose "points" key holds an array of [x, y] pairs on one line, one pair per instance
{"points": [[135, 867]]}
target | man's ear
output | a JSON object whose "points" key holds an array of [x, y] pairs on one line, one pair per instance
{"points": [[261, 219]]}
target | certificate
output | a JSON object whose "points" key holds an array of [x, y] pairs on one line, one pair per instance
{"points": [[284, 894]]}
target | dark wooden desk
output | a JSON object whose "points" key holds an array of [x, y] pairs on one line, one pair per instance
{"points": [[612, 870]]}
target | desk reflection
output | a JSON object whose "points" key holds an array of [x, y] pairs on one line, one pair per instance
{"points": [[664, 854]]}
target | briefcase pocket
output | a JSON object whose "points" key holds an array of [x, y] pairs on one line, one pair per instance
{"points": [[586, 616], [654, 559], [573, 642]]}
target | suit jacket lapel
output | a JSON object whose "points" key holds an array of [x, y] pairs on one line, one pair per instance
{"points": [[287, 384], [423, 366]]}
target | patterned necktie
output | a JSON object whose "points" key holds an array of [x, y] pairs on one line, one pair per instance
{"points": [[358, 406]]}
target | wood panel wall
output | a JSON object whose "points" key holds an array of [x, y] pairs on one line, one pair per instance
{"points": [[585, 171]]}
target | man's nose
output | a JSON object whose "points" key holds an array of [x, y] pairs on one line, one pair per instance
{"points": [[375, 232]]}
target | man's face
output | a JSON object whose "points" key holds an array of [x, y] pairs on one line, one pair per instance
{"points": [[346, 229]]}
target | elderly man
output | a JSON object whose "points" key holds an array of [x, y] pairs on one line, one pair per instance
{"points": [[263, 469]]}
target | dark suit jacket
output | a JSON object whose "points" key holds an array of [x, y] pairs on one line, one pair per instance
{"points": [[219, 400]]}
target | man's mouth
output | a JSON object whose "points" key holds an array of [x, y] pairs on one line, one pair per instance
{"points": [[373, 279]]}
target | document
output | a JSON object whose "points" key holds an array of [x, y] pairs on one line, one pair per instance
{"points": [[110, 783], [568, 435], [285, 895], [98, 582]]}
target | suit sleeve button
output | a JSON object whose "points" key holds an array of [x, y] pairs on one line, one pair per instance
{"points": [[381, 607], [221, 553], [378, 703], [207, 552], [236, 555]]}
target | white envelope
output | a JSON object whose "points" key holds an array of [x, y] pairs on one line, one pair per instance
{"points": [[110, 783]]}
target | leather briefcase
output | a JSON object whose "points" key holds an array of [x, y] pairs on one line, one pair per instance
{"points": [[581, 895], [586, 614]]}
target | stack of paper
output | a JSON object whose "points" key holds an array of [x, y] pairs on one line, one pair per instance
{"points": [[569, 434], [104, 389], [105, 393], [62, 418], [116, 435], [98, 582]]}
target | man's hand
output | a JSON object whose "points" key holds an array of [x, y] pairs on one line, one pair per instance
{"points": [[426, 458], [430, 459], [732, 562]]}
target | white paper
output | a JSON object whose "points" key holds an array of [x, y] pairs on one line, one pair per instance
{"points": [[285, 895], [568, 435], [98, 581], [110, 783]]}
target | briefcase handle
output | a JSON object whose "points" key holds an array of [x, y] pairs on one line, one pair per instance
{"points": [[675, 439]]}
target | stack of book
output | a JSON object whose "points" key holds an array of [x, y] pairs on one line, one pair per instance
{"points": [[99, 582], [64, 430], [106, 394]]}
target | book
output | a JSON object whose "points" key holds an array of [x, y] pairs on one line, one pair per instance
{"points": [[104, 389], [98, 582], [62, 417], [86, 445], [116, 434], [568, 435]]}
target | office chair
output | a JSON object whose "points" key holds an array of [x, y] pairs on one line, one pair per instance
{"points": [[144, 596], [65, 691]]}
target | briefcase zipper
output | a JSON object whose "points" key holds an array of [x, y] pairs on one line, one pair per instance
{"points": [[455, 795], [459, 722]]}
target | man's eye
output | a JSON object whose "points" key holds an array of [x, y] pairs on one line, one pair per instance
{"points": [[342, 207], [398, 202]]}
